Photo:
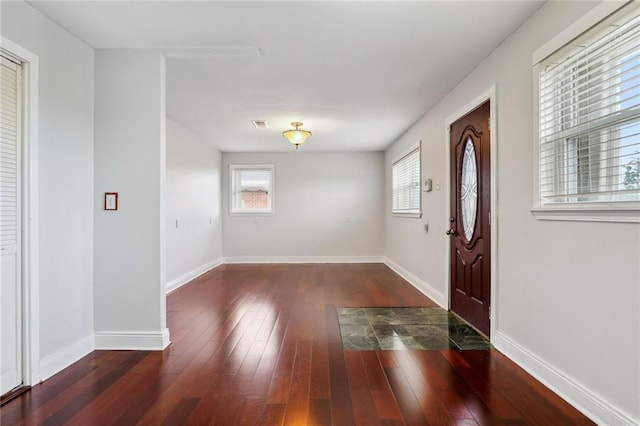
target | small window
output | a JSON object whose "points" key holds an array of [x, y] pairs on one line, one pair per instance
{"points": [[251, 189], [589, 119], [405, 178]]}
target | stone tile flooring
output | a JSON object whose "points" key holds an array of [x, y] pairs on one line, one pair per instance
{"points": [[370, 329]]}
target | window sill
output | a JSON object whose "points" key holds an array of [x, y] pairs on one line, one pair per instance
{"points": [[607, 213], [413, 215], [250, 213]]}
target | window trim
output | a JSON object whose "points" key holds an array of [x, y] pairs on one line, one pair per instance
{"points": [[232, 168], [604, 211], [406, 152]]}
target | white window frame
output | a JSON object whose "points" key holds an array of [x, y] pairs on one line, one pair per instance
{"points": [[412, 213], [613, 211], [271, 193]]}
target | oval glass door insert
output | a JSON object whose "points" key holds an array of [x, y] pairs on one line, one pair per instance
{"points": [[469, 190]]}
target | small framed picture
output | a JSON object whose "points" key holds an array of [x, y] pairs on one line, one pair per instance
{"points": [[111, 201]]}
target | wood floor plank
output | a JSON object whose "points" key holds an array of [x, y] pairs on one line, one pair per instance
{"points": [[375, 372], [180, 412], [208, 406], [521, 379], [64, 405], [251, 412], [364, 409], [297, 411], [228, 409], [107, 404], [273, 414], [482, 383], [472, 402], [132, 406], [341, 404], [320, 386], [281, 378], [319, 412], [432, 407], [409, 405], [261, 345]]}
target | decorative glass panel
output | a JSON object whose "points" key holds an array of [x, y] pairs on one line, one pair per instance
{"points": [[469, 190]]}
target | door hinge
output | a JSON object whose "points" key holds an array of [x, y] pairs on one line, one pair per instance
{"points": [[489, 123], [489, 218]]}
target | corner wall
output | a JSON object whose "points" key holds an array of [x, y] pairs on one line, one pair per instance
{"points": [[193, 221], [129, 281], [328, 207], [567, 293]]}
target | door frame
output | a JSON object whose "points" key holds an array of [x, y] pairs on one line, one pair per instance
{"points": [[30, 212], [487, 95]]}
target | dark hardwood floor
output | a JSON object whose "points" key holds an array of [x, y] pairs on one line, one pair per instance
{"points": [[260, 344]]}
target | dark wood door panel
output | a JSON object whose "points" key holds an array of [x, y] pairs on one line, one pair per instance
{"points": [[470, 211], [476, 282]]}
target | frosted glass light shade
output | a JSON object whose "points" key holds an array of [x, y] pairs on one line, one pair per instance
{"points": [[296, 136]]}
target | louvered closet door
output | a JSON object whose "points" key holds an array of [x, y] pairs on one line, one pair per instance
{"points": [[10, 238]]}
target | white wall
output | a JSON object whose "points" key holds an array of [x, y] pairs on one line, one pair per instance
{"points": [[327, 205], [193, 200], [65, 181], [568, 293], [129, 159]]}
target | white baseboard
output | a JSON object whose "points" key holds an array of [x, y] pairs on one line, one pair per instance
{"points": [[420, 285], [583, 399], [128, 340], [185, 278], [306, 259], [60, 360]]}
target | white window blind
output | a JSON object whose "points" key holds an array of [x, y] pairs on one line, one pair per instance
{"points": [[9, 154], [251, 188], [589, 116], [406, 183]]}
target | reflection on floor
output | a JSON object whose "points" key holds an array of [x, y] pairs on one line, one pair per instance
{"points": [[370, 329]]}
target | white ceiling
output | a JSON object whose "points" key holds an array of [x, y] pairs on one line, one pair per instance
{"points": [[358, 74]]}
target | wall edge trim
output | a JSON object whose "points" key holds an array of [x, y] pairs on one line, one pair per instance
{"points": [[183, 279], [575, 393], [416, 282], [58, 361], [132, 340], [305, 259]]}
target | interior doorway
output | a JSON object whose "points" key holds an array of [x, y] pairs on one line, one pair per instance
{"points": [[19, 227], [11, 270]]}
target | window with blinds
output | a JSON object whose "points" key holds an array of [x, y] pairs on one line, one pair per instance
{"points": [[405, 178], [251, 189], [9, 155], [589, 116]]}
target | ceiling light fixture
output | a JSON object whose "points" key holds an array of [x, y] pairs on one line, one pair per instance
{"points": [[296, 136]]}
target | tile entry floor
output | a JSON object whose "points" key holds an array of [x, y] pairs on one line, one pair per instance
{"points": [[370, 329]]}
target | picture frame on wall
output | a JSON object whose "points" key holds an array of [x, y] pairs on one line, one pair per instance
{"points": [[111, 201]]}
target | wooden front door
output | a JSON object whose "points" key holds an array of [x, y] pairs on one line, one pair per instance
{"points": [[470, 230]]}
